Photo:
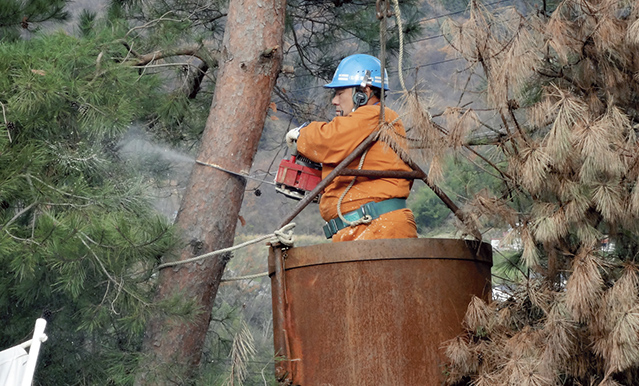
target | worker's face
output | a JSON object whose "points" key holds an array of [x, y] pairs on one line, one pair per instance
{"points": [[343, 101]]}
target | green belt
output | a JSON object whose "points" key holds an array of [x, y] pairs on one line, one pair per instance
{"points": [[372, 209]]}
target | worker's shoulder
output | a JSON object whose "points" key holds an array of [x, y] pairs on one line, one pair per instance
{"points": [[373, 110]]}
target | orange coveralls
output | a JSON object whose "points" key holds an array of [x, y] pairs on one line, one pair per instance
{"points": [[329, 143]]}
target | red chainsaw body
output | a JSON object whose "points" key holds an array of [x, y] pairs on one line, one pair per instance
{"points": [[294, 179]]}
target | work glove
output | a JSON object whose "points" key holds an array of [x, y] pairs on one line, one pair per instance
{"points": [[291, 138]]}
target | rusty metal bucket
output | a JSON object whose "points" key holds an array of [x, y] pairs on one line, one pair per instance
{"points": [[372, 312]]}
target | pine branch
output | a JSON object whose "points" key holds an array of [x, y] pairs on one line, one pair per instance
{"points": [[190, 50], [6, 124], [83, 237], [153, 22], [17, 216]]}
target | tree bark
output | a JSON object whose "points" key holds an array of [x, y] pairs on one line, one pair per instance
{"points": [[249, 64]]}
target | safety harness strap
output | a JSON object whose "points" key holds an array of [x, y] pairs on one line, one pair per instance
{"points": [[371, 209]]}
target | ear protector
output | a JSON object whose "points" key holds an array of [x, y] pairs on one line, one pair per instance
{"points": [[359, 98]]}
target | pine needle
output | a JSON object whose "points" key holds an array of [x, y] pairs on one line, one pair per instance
{"points": [[576, 200], [608, 200], [608, 34], [462, 359], [555, 30], [570, 111], [599, 143], [609, 382], [618, 322], [588, 234], [436, 168], [459, 123], [619, 122], [523, 365], [423, 135], [485, 379], [478, 316], [572, 73], [541, 114], [242, 351], [534, 166], [560, 333], [397, 142], [550, 222], [517, 59], [634, 198], [494, 208], [620, 346], [584, 286], [530, 255], [632, 34]]}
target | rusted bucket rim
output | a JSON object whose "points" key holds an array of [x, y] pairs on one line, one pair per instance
{"points": [[390, 249]]}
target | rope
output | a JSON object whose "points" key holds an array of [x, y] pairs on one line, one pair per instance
{"points": [[382, 11], [247, 277], [283, 236], [365, 219], [398, 16]]}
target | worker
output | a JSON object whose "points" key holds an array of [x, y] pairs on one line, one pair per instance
{"points": [[372, 208]]}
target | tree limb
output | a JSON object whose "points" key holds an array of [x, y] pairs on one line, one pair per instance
{"points": [[190, 50]]}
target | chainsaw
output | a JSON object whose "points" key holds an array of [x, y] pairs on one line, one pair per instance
{"points": [[297, 176]]}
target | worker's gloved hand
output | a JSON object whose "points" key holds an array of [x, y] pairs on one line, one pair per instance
{"points": [[291, 138]]}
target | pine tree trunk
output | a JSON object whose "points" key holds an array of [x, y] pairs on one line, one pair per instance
{"points": [[249, 65]]}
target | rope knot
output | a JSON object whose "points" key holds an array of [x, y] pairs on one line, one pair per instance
{"points": [[382, 9], [284, 236], [366, 219]]}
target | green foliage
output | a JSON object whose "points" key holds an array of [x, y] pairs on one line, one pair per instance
{"points": [[508, 267], [462, 181], [179, 116], [428, 209], [240, 306], [86, 24], [17, 15], [79, 239], [66, 90]]}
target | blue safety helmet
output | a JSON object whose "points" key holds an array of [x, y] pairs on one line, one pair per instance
{"points": [[351, 72]]}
